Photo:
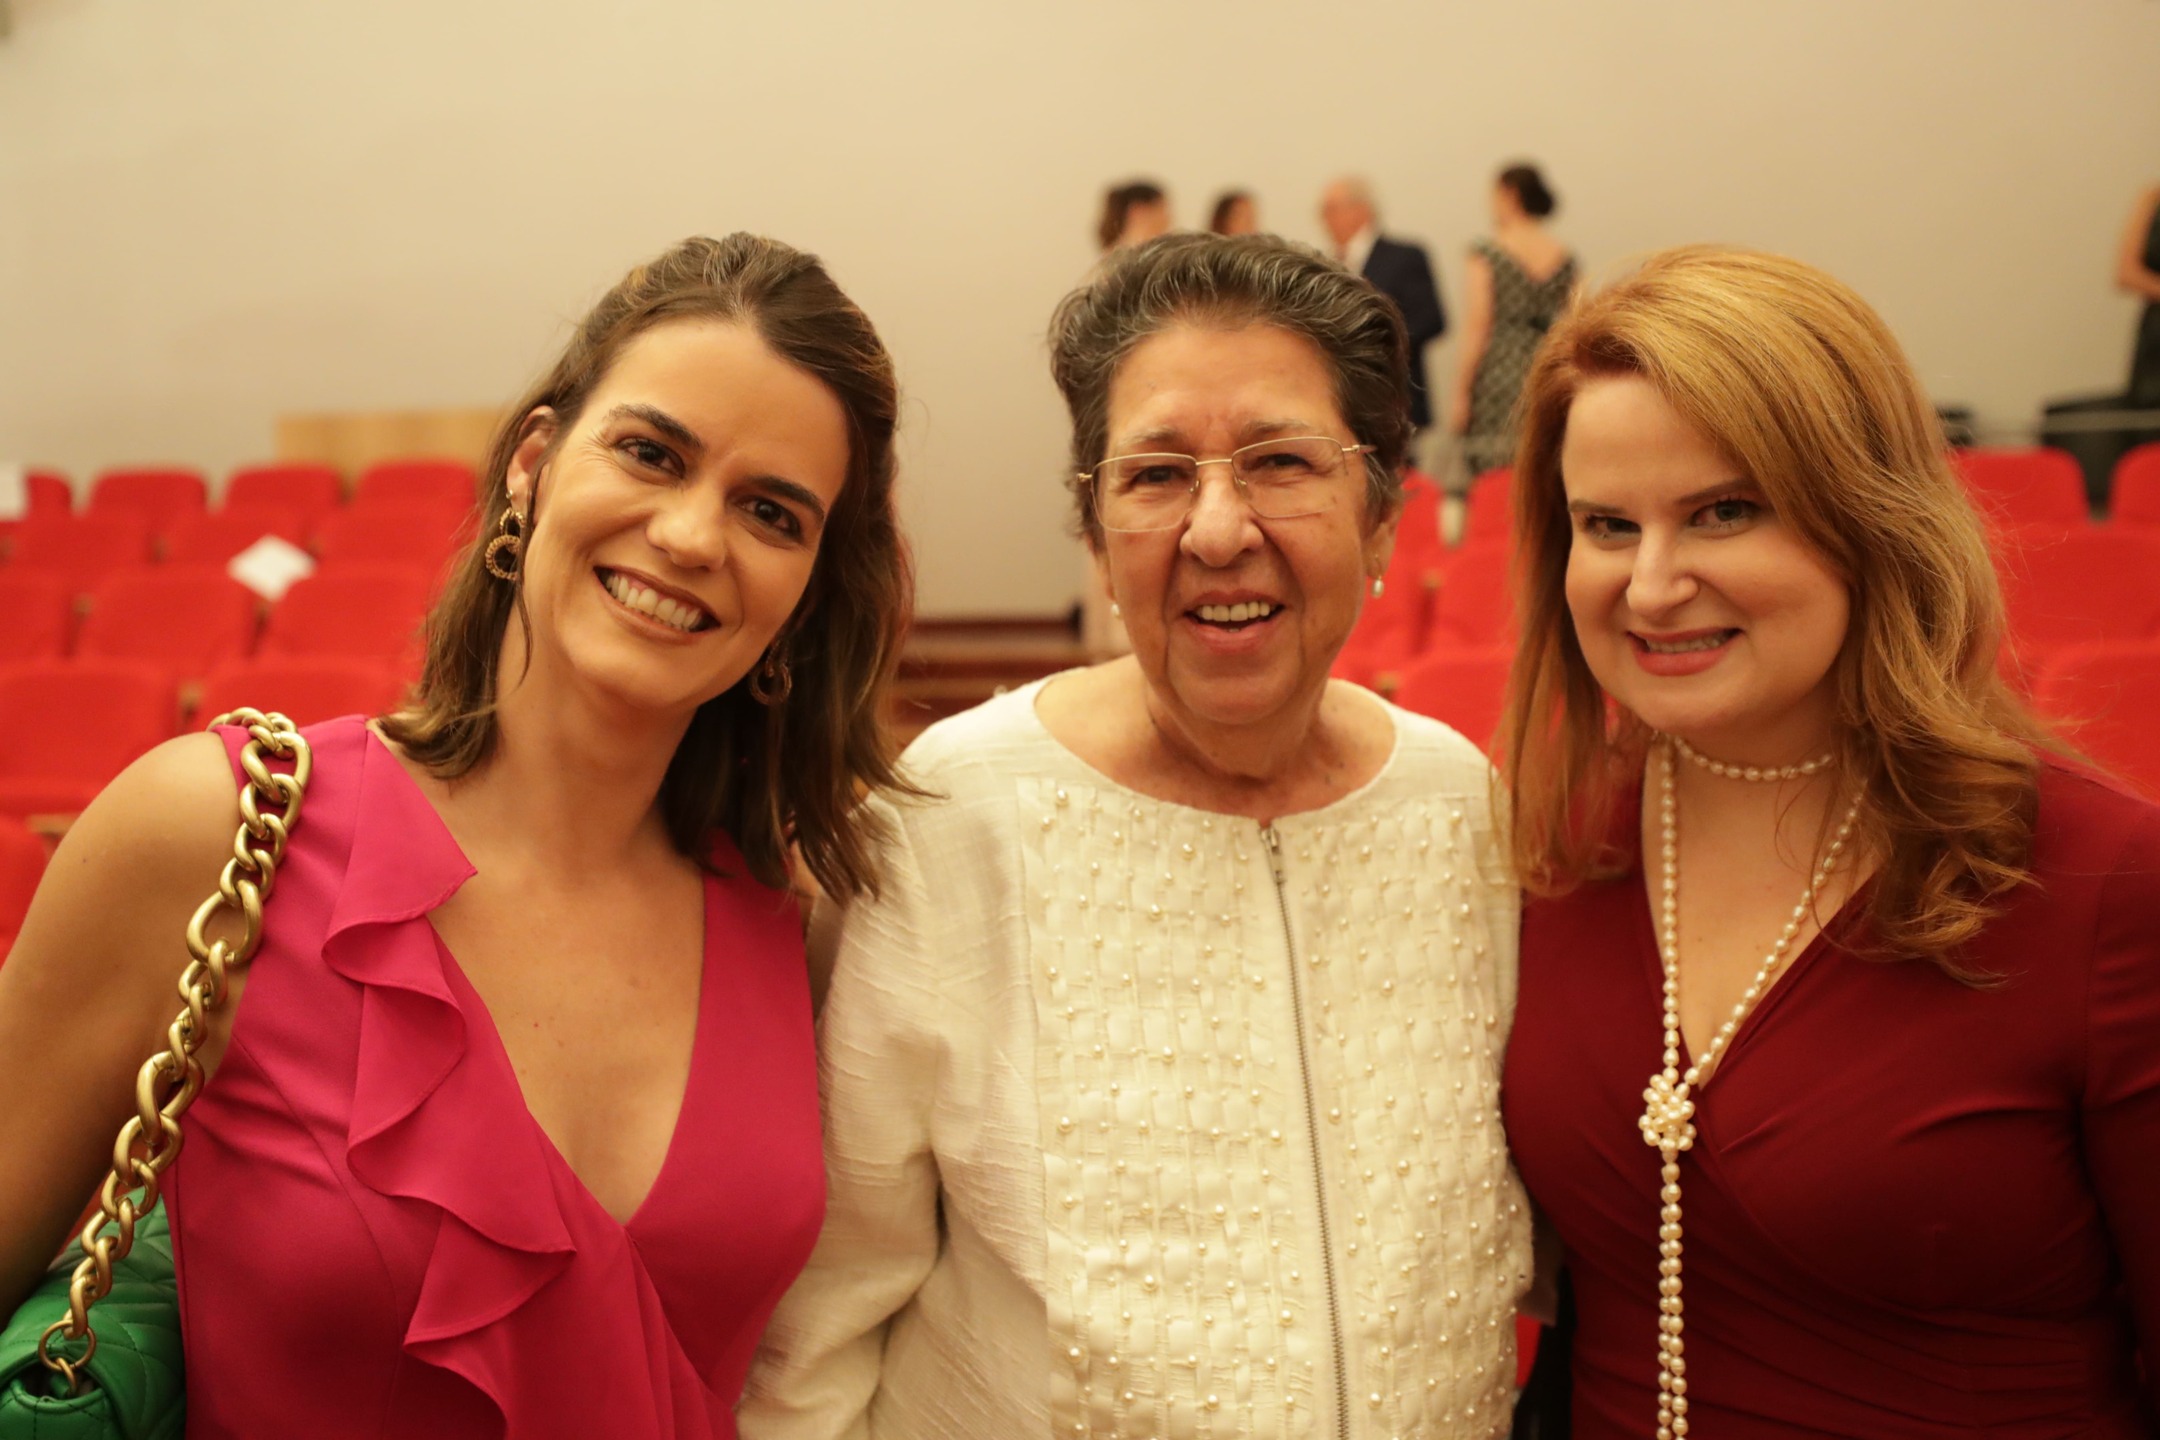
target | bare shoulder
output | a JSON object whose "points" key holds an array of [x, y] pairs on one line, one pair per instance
{"points": [[133, 867]]}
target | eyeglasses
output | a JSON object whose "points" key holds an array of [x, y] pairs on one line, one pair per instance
{"points": [[1280, 480]]}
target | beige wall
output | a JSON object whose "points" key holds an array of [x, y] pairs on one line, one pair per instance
{"points": [[215, 213]]}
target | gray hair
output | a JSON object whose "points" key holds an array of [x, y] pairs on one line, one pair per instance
{"points": [[1231, 281]]}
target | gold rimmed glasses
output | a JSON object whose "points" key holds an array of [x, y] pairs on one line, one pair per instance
{"points": [[1280, 479]]}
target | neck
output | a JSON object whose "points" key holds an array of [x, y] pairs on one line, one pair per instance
{"points": [[574, 782], [1248, 765]]}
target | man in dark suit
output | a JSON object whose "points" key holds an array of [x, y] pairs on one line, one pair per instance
{"points": [[1399, 270]]}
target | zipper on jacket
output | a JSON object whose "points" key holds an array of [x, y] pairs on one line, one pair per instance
{"points": [[1273, 842]]}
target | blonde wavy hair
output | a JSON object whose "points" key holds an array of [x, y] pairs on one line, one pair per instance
{"points": [[1804, 390]]}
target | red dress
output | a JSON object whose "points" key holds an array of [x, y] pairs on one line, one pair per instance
{"points": [[1914, 1208], [374, 1237]]}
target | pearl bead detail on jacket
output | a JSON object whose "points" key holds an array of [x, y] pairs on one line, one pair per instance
{"points": [[1668, 1118]]}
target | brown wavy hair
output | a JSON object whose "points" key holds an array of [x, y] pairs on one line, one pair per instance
{"points": [[1806, 392], [771, 777]]}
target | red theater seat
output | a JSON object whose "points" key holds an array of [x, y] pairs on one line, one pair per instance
{"points": [[356, 612], [68, 726], [215, 536], [80, 550], [1393, 625], [1475, 607], [50, 493], [417, 482], [2091, 584], [305, 690], [2038, 485], [310, 488], [157, 494], [36, 611], [2134, 493], [2106, 695], [22, 864], [1490, 513], [419, 536], [184, 619], [1461, 688]]}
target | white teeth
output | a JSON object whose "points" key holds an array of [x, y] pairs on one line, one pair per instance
{"points": [[1234, 614], [1706, 642], [651, 602]]}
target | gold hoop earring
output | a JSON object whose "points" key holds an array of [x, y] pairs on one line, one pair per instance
{"points": [[510, 540], [772, 682]]}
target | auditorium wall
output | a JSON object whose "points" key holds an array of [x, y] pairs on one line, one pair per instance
{"points": [[216, 213]]}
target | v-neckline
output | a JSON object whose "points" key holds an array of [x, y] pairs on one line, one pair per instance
{"points": [[464, 981], [1651, 955], [682, 1104]]}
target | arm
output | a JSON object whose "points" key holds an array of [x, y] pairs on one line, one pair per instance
{"points": [[1476, 330], [2122, 1096], [88, 989], [2130, 271], [818, 1369]]}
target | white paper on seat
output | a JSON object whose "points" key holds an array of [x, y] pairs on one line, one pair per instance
{"points": [[270, 566], [14, 490]]}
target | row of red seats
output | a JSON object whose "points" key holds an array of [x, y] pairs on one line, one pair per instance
{"points": [[67, 727], [186, 620], [83, 550], [161, 492], [2102, 695]]}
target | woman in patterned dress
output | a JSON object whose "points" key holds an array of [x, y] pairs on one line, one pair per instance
{"points": [[1514, 286]]}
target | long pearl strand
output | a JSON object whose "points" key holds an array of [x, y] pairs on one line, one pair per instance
{"points": [[1668, 1119]]}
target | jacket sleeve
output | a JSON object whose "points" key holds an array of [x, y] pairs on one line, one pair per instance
{"points": [[2122, 1099], [1423, 313], [818, 1370]]}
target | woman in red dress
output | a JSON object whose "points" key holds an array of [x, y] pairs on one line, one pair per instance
{"points": [[513, 1128], [1837, 1062]]}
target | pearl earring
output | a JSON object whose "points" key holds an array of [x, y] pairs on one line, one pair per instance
{"points": [[1117, 612], [1379, 587]]}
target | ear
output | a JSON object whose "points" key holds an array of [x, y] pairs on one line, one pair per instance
{"points": [[1379, 547], [526, 461]]}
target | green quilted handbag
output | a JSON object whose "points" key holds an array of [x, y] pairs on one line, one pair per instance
{"points": [[134, 1387], [60, 1379]]}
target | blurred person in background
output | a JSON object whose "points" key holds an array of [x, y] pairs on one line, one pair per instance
{"points": [[1161, 1081], [1514, 286], [2137, 270], [1399, 269], [1132, 214], [1235, 213]]}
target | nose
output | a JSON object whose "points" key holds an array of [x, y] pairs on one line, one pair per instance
{"points": [[1221, 526], [1661, 580], [688, 529]]}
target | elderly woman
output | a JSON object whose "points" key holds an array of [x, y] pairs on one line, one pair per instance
{"points": [[1838, 1064], [1161, 1081], [515, 1129]]}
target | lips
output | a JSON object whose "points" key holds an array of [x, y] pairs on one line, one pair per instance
{"points": [[1689, 643], [656, 602]]}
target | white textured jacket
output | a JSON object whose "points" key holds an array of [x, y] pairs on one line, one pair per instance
{"points": [[1143, 1121]]}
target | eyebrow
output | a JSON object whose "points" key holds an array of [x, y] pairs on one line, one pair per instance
{"points": [[660, 420], [684, 436], [1694, 497], [1258, 430]]}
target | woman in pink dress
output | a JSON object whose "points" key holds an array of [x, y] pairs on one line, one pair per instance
{"points": [[1836, 1067], [513, 1128]]}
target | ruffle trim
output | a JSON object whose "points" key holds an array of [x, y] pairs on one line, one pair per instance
{"points": [[422, 1102]]}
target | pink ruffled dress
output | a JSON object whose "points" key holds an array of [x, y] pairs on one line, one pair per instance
{"points": [[375, 1237]]}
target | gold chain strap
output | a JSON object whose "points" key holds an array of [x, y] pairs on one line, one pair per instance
{"points": [[169, 1081]]}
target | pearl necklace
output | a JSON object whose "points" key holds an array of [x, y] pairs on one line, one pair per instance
{"points": [[1668, 1118], [1752, 772]]}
